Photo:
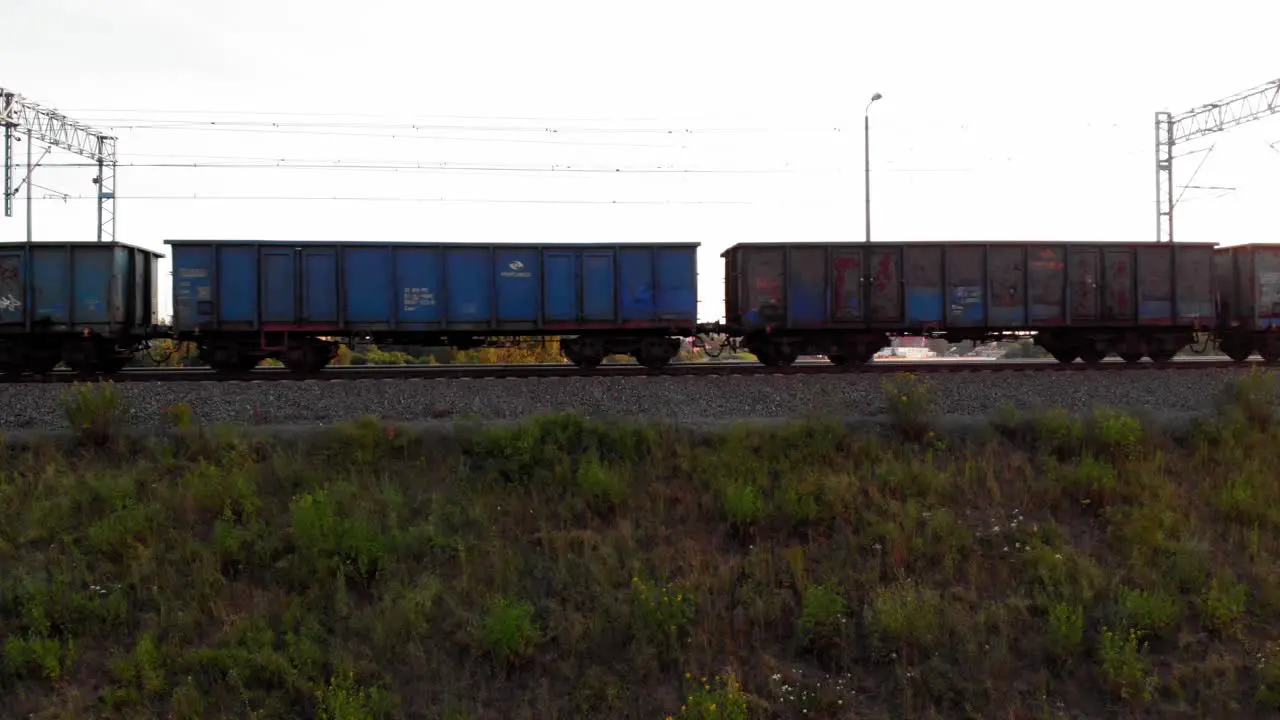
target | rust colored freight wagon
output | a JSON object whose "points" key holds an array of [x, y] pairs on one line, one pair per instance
{"points": [[1083, 300]]}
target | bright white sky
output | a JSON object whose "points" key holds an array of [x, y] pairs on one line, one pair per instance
{"points": [[1000, 120]]}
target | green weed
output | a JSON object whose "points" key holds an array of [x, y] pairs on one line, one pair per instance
{"points": [[180, 416], [96, 412], [508, 630], [661, 614], [1059, 432], [824, 616], [720, 698], [344, 699], [1116, 434], [1147, 611], [908, 402], [603, 486], [331, 538], [1224, 604], [1251, 398], [1066, 629], [905, 613], [1123, 664], [743, 503], [36, 656]]}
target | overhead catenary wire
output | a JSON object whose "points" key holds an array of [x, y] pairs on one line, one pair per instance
{"points": [[373, 198], [427, 167]]}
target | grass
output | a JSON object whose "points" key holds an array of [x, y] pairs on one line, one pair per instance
{"points": [[564, 568]]}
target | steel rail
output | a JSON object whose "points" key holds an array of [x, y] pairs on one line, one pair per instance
{"points": [[712, 368]]}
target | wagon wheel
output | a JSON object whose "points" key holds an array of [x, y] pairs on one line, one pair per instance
{"points": [[1236, 350], [585, 353], [655, 353], [1064, 355], [241, 364], [1091, 354], [1131, 356], [11, 372], [82, 358], [42, 364], [113, 364], [1161, 355]]}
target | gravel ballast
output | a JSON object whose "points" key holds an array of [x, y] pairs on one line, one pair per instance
{"points": [[680, 399]]}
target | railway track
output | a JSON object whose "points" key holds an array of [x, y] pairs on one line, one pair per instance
{"points": [[803, 367]]}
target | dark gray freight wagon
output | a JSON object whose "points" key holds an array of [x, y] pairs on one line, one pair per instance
{"points": [[1083, 300], [1247, 281], [87, 304]]}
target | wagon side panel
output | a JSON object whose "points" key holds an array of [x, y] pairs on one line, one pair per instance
{"points": [[1193, 283], [965, 286], [1007, 286], [922, 277], [676, 295], [806, 286]]}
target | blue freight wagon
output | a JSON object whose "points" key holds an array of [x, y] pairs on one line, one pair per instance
{"points": [[245, 300], [91, 305], [1082, 300]]}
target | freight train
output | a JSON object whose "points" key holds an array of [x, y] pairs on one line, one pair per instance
{"points": [[92, 306]]}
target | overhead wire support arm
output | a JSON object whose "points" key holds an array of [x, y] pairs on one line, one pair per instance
{"points": [[53, 128], [1227, 113]]}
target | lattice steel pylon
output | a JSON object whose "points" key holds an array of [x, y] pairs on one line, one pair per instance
{"points": [[57, 130], [1238, 109]]}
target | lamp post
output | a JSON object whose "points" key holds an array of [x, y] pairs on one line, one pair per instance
{"points": [[866, 154]]}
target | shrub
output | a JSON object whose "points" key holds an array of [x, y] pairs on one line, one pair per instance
{"points": [[603, 486], [1059, 432], [179, 416], [1148, 611], [1066, 629], [343, 699], [1223, 604], [908, 402], [508, 631], [1123, 664], [36, 656], [95, 411], [823, 615], [905, 613], [720, 698], [1116, 434], [661, 613], [743, 503], [1251, 398]]}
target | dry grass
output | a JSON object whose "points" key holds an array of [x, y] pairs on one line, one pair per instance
{"points": [[568, 569]]}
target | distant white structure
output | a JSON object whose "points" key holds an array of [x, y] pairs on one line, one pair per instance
{"points": [[914, 348]]}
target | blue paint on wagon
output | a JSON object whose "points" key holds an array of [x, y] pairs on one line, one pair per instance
{"points": [[108, 288], [488, 289]]}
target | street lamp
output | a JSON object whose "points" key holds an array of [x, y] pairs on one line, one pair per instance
{"points": [[866, 154]]}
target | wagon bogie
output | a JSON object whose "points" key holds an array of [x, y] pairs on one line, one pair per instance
{"points": [[1132, 345], [841, 348], [588, 351]]}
